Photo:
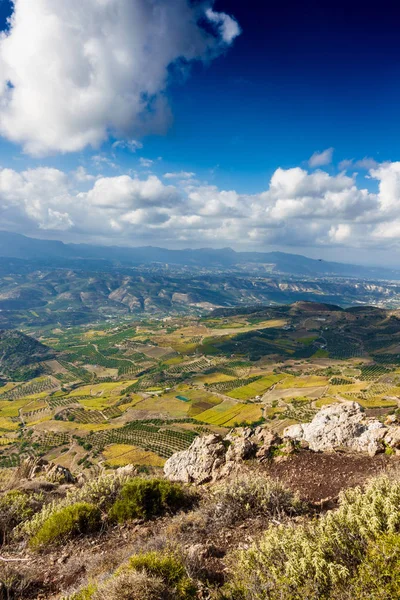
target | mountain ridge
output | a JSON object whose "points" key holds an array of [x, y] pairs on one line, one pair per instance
{"points": [[14, 245]]}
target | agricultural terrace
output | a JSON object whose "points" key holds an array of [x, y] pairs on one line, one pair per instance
{"points": [[137, 392]]}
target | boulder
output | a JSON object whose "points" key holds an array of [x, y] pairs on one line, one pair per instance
{"points": [[341, 426], [33, 467], [200, 463]]}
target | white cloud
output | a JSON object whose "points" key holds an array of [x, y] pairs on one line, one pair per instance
{"points": [[145, 162], [320, 159], [298, 208], [179, 175], [73, 72], [228, 27], [365, 163], [131, 145], [81, 175], [340, 233]]}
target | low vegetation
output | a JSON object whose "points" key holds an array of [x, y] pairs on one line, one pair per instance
{"points": [[147, 498], [320, 559]]}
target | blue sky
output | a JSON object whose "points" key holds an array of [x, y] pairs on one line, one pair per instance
{"points": [[300, 78]]}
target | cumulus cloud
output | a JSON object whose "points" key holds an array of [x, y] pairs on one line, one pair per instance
{"points": [[73, 72], [320, 159], [298, 208]]}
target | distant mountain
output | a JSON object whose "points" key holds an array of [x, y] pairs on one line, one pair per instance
{"points": [[56, 253]]}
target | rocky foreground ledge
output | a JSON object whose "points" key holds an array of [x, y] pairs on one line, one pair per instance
{"points": [[342, 426]]}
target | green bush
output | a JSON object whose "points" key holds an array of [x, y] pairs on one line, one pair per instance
{"points": [[101, 491], [169, 568], [68, 522], [133, 586], [251, 496], [317, 559], [378, 576], [146, 498], [15, 507]]}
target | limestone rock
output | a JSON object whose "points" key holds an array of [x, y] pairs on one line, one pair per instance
{"points": [[33, 467], [341, 426], [200, 463], [392, 437]]}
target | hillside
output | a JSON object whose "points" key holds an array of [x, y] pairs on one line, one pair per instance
{"points": [[21, 355], [241, 427], [46, 296]]}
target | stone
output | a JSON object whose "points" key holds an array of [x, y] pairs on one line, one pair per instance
{"points": [[338, 426], [392, 437], [241, 448], [200, 463]]}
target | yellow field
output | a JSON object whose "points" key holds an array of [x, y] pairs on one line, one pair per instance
{"points": [[98, 403], [213, 378], [351, 387], [167, 404], [119, 455], [321, 402], [102, 389], [230, 412], [257, 388], [302, 382], [10, 408], [227, 330]]}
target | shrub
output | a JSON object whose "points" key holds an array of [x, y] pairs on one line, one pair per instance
{"points": [[68, 522], [15, 507], [101, 491], [378, 576], [169, 568], [315, 560], [133, 586], [146, 498], [251, 496]]}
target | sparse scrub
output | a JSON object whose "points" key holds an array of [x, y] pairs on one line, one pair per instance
{"points": [[15, 507], [79, 518], [102, 492], [254, 496], [133, 586], [147, 498], [318, 559]]}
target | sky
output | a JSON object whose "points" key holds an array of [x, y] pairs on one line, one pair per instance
{"points": [[179, 123]]}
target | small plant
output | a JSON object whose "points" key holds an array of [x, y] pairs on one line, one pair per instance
{"points": [[168, 568], [80, 518], [321, 559], [15, 507], [101, 491], [133, 586], [252, 496], [147, 498]]}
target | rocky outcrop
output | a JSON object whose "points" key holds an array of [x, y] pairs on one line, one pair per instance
{"points": [[211, 457], [32, 467], [339, 426], [346, 426], [200, 463]]}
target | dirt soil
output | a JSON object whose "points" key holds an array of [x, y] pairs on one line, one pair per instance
{"points": [[318, 477]]}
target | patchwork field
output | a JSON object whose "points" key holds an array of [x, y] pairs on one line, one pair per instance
{"points": [[136, 392]]}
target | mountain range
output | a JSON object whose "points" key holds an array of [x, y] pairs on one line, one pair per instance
{"points": [[57, 253]]}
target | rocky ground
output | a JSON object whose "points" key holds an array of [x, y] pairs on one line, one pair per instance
{"points": [[355, 448]]}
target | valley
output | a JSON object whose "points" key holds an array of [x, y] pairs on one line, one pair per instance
{"points": [[102, 396]]}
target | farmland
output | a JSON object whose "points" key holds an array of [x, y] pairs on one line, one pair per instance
{"points": [[105, 396]]}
